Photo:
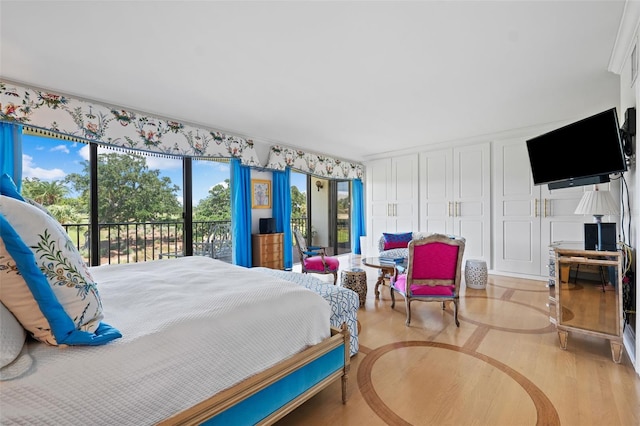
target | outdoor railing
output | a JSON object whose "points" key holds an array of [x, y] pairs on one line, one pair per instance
{"points": [[130, 242], [299, 223]]}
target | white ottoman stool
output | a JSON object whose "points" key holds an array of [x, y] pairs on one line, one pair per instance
{"points": [[475, 274]]}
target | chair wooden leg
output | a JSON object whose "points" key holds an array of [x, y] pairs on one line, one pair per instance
{"points": [[408, 301], [335, 277], [455, 312], [393, 297]]}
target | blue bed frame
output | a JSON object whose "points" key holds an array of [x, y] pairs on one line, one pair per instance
{"points": [[269, 396]]}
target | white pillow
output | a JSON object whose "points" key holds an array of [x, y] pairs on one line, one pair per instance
{"points": [[13, 362]]}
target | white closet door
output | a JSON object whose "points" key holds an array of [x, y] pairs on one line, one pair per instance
{"points": [[517, 209]]}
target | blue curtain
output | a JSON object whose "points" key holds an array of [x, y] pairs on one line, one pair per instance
{"points": [[11, 152], [281, 211], [241, 213], [358, 225]]}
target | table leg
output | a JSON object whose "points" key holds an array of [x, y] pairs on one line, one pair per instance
{"points": [[616, 351], [385, 272], [562, 335], [378, 284]]}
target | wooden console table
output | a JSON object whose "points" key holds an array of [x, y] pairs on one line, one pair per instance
{"points": [[582, 303]]}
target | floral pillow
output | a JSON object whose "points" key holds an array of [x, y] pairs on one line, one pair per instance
{"points": [[393, 241], [55, 276], [15, 293]]}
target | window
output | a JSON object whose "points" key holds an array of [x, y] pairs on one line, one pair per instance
{"points": [[211, 182], [46, 164], [298, 206], [140, 200]]}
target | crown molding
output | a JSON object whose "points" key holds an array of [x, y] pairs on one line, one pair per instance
{"points": [[626, 37]]}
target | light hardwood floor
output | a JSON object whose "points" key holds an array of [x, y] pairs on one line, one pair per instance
{"points": [[502, 366]]}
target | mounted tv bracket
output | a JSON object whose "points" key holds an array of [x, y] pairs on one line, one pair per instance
{"points": [[628, 135]]}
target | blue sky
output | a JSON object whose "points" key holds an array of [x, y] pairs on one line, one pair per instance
{"points": [[53, 159]]}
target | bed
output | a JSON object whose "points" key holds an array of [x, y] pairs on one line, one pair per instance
{"points": [[344, 303], [201, 340]]}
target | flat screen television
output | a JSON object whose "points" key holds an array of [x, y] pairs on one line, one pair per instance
{"points": [[581, 153]]}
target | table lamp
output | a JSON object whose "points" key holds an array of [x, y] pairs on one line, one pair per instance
{"points": [[597, 203]]}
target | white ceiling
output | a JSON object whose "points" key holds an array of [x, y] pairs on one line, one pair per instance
{"points": [[352, 79]]}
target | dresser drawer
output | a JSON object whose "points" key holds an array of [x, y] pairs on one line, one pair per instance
{"points": [[273, 264], [268, 250]]}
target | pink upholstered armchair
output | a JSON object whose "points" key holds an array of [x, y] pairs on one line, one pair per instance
{"points": [[433, 274], [314, 260]]}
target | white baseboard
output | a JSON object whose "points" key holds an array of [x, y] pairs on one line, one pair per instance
{"points": [[517, 275], [629, 339]]}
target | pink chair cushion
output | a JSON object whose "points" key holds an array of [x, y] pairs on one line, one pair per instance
{"points": [[423, 290], [314, 263], [441, 264]]}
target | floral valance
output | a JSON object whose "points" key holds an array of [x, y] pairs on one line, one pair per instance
{"points": [[115, 126], [318, 165]]}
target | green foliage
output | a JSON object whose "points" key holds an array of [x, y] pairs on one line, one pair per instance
{"points": [[298, 203], [52, 195], [43, 192], [344, 205], [217, 205], [67, 212], [128, 190]]}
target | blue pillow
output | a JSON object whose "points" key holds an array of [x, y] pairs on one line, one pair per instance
{"points": [[8, 187], [392, 241]]}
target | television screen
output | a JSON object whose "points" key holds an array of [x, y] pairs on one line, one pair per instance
{"points": [[581, 153]]}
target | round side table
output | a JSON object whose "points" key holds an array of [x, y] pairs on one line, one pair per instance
{"points": [[356, 280], [475, 274]]}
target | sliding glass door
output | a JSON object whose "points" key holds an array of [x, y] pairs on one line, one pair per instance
{"points": [[321, 209], [340, 216]]}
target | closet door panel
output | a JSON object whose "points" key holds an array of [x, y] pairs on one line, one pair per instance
{"points": [[518, 250], [436, 191], [517, 209], [404, 180], [472, 199], [471, 172], [475, 234]]}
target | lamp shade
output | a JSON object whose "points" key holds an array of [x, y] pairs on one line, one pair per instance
{"points": [[597, 203]]}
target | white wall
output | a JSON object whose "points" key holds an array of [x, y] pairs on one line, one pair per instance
{"points": [[256, 214], [320, 212], [621, 64]]}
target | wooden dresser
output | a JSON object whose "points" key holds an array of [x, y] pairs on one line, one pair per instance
{"points": [[268, 250]]}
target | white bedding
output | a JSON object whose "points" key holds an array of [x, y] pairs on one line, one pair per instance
{"points": [[191, 327]]}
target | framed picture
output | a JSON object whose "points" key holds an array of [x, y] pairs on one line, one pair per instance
{"points": [[260, 194]]}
